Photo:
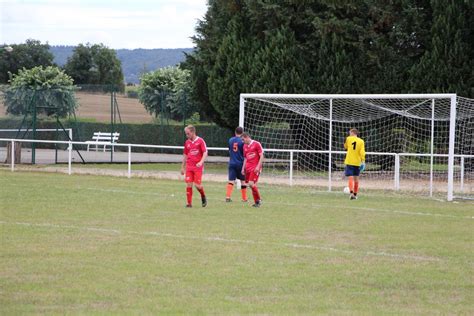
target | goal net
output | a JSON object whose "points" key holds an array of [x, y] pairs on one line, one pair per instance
{"points": [[420, 143]]}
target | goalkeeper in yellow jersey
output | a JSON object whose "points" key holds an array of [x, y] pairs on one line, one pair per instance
{"points": [[355, 160]]}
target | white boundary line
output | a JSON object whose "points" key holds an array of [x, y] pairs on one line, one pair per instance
{"points": [[228, 240]]}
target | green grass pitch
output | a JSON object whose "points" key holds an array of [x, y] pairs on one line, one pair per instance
{"points": [[95, 245]]}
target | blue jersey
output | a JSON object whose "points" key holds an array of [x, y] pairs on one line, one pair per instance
{"points": [[236, 151]]}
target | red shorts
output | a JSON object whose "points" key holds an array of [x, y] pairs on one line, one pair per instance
{"points": [[251, 175], [193, 176]]}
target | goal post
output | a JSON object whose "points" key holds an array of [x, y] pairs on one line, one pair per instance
{"points": [[413, 141]]}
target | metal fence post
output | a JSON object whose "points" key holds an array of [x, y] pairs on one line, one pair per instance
{"points": [[13, 156], [397, 172], [69, 158], [291, 167], [129, 161]]}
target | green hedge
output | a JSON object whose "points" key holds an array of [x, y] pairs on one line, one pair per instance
{"points": [[153, 134]]}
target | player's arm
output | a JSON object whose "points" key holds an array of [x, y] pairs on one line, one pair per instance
{"points": [[345, 144], [362, 156], [204, 154], [243, 166], [183, 164], [201, 162], [260, 163], [185, 158], [362, 151]]}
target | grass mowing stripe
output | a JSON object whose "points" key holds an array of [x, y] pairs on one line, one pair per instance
{"points": [[228, 240], [312, 205], [284, 187], [410, 213]]}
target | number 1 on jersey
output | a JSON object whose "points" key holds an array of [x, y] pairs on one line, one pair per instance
{"points": [[354, 145]]}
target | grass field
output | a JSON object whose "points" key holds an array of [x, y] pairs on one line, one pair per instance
{"points": [[95, 245]]}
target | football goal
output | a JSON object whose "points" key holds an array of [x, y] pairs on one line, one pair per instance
{"points": [[418, 142]]}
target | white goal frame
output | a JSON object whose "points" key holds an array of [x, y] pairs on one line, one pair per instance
{"points": [[452, 124]]}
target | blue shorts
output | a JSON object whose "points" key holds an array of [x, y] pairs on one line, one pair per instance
{"points": [[352, 171], [235, 172]]}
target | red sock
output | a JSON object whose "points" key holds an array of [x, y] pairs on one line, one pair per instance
{"points": [[356, 187], [230, 187], [244, 193], [351, 184], [202, 192], [189, 195], [255, 193]]}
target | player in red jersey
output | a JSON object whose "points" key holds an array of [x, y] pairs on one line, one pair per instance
{"points": [[253, 160], [195, 152]]}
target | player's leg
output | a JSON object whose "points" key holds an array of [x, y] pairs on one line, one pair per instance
{"points": [[189, 188], [349, 172], [230, 184], [243, 187], [351, 184], [356, 186], [253, 178], [229, 189], [355, 172], [356, 181], [199, 187]]}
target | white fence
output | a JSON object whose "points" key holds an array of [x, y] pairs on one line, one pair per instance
{"points": [[291, 162]]}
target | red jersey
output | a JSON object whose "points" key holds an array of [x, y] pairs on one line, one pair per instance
{"points": [[194, 150], [252, 153]]}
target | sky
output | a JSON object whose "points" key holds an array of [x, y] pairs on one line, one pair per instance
{"points": [[117, 24]]}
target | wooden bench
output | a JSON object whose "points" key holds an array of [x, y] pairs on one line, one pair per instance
{"points": [[103, 139]]}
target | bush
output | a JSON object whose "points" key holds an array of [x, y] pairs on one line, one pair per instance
{"points": [[48, 89]]}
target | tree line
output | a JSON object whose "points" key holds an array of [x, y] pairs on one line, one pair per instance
{"points": [[90, 64], [330, 46], [293, 46], [33, 77]]}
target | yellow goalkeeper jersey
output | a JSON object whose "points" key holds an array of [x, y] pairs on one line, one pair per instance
{"points": [[355, 151]]}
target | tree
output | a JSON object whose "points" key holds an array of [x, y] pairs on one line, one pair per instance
{"points": [[28, 55], [230, 73], [447, 66], [234, 56], [48, 89], [95, 65], [328, 46], [166, 92]]}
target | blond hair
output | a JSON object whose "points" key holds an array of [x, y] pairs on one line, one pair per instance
{"points": [[190, 128]]}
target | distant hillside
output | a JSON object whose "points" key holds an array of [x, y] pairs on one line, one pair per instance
{"points": [[134, 61]]}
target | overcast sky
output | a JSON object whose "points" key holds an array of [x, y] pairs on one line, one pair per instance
{"points": [[117, 24]]}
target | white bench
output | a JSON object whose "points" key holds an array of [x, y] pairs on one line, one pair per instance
{"points": [[103, 139]]}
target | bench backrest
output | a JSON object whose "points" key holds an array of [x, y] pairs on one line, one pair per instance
{"points": [[109, 137]]}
